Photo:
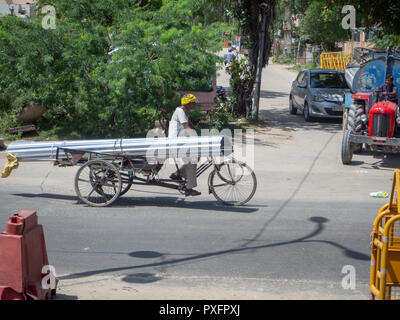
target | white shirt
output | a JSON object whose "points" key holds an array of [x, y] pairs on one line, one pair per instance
{"points": [[176, 124]]}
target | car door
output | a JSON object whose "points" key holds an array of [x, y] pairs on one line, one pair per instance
{"points": [[302, 95], [296, 88]]}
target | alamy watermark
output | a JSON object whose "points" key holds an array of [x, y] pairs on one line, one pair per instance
{"points": [[219, 145], [349, 280], [49, 20], [49, 281], [349, 20]]}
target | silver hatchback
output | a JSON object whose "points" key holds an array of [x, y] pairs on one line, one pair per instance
{"points": [[318, 93]]}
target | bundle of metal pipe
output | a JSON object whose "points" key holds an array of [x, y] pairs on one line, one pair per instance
{"points": [[148, 147]]}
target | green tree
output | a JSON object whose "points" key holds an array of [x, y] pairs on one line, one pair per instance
{"points": [[322, 25], [382, 40], [248, 15], [383, 13], [69, 70]]}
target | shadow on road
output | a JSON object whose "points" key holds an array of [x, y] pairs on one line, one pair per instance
{"points": [[280, 118], [384, 161], [60, 296], [141, 278], [273, 94], [319, 228], [155, 201]]}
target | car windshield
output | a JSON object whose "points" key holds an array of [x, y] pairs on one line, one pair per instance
{"points": [[328, 80]]}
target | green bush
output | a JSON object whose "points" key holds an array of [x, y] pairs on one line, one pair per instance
{"points": [[222, 115], [93, 94], [284, 59], [299, 67], [196, 116], [7, 122]]}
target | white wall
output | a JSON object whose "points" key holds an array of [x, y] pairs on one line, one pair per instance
{"points": [[6, 9]]}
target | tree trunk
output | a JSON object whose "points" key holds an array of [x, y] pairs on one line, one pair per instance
{"points": [[287, 28], [250, 14]]}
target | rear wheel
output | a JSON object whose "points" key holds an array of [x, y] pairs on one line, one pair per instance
{"points": [[126, 178], [98, 183], [125, 187], [354, 123]]}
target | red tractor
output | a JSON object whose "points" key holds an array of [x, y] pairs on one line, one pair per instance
{"points": [[371, 118]]}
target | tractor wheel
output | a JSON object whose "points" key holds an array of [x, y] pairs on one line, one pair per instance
{"points": [[398, 126], [347, 152], [354, 123]]}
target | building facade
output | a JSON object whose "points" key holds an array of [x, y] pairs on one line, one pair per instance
{"points": [[19, 8]]}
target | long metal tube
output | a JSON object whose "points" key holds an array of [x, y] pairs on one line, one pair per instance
{"points": [[116, 142], [210, 145]]}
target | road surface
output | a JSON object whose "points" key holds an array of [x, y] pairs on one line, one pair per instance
{"points": [[310, 217]]}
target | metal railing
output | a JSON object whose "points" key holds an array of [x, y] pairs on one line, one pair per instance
{"points": [[385, 248]]}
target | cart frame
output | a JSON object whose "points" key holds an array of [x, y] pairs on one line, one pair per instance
{"points": [[108, 176]]}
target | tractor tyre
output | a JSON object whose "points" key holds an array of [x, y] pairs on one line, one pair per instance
{"points": [[347, 150], [354, 123]]}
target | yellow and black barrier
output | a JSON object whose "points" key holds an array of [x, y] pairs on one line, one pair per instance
{"points": [[385, 248], [335, 60]]}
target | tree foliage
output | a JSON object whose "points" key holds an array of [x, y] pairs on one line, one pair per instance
{"points": [[161, 47], [383, 13], [382, 40], [322, 25], [249, 17]]}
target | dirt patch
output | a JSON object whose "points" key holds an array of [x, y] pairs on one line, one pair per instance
{"points": [[267, 133], [272, 134], [186, 288]]}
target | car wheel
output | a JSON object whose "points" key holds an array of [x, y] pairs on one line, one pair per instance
{"points": [[307, 116], [292, 108]]}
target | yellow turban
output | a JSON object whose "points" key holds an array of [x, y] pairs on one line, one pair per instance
{"points": [[188, 98]]}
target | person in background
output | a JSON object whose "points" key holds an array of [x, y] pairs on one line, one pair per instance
{"points": [[388, 90], [179, 126], [229, 57]]}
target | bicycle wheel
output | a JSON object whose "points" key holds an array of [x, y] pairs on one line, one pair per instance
{"points": [[126, 178], [125, 187], [233, 183], [98, 183]]}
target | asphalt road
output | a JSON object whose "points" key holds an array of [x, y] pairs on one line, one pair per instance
{"points": [[310, 217]]}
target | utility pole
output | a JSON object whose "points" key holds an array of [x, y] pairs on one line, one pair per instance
{"points": [[256, 96], [298, 51]]}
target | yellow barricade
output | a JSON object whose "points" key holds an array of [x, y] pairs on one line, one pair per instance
{"points": [[385, 248], [335, 60]]}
